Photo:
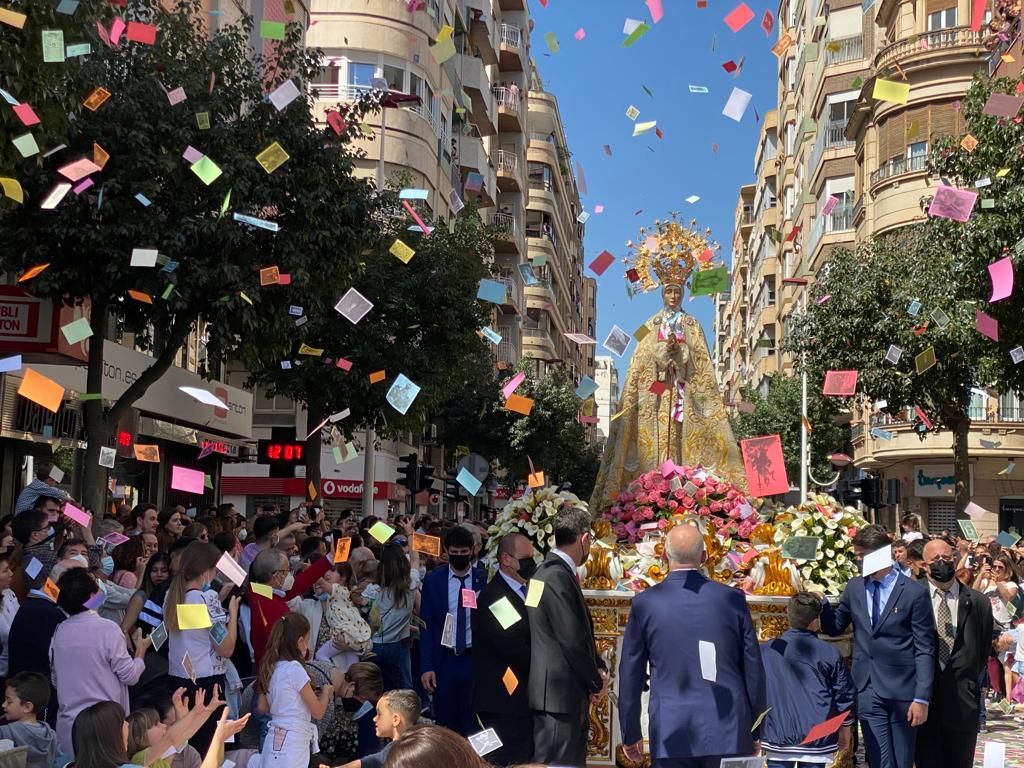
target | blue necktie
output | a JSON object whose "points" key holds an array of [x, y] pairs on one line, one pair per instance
{"points": [[460, 620], [876, 603]]}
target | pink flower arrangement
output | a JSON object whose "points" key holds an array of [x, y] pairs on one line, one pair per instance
{"points": [[681, 490]]}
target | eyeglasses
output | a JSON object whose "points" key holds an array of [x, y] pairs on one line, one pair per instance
{"points": [[400, 541]]}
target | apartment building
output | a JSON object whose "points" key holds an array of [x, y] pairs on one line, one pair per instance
{"points": [[463, 128], [838, 150]]}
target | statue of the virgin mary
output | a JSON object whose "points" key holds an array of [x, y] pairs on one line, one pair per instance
{"points": [[670, 407]]}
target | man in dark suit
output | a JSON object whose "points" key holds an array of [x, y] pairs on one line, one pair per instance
{"points": [[502, 657], [964, 631], [565, 671], [707, 677], [893, 651], [446, 641]]}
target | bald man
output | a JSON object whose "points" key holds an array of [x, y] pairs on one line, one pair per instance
{"points": [[707, 678], [964, 633]]}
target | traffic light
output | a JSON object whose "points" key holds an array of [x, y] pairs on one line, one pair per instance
{"points": [[408, 475], [426, 478], [451, 487]]}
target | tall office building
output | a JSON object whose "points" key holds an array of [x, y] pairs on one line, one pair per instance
{"points": [[607, 397], [832, 147]]}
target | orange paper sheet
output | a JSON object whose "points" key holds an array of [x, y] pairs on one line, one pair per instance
{"points": [[41, 390], [428, 545], [519, 404], [341, 550], [510, 680], [377, 376]]}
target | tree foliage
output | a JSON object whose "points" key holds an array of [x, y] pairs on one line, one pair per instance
{"points": [[779, 413], [861, 304], [551, 436], [423, 324], [210, 265]]}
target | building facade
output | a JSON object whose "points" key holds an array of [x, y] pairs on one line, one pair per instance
{"points": [[845, 167], [482, 128], [607, 397]]}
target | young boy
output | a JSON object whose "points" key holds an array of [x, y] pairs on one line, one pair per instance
{"points": [[808, 683], [27, 695], [397, 712]]}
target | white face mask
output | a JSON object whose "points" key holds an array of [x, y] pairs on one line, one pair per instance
{"points": [[242, 534], [80, 558], [289, 582]]}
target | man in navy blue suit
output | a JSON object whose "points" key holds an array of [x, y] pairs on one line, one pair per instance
{"points": [[446, 642], [707, 678], [893, 651]]}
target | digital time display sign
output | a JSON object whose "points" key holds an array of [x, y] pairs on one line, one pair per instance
{"points": [[275, 452]]}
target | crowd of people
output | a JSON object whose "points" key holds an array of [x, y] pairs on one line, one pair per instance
{"points": [[286, 639]]}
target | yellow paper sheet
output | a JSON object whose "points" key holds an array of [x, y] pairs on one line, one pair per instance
{"points": [[12, 18], [12, 189], [262, 589], [890, 90], [533, 593], [401, 251], [272, 158], [381, 531], [193, 616]]}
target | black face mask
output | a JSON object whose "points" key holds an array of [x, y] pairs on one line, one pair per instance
{"points": [[527, 567], [941, 571], [459, 562]]}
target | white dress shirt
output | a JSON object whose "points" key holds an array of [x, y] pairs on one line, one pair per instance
{"points": [[514, 585], [937, 595], [454, 585]]}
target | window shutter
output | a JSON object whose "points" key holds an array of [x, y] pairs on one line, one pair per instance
{"points": [[945, 121]]}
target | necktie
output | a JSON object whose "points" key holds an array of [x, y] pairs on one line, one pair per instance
{"points": [[460, 620], [876, 603], [945, 627], [522, 590]]}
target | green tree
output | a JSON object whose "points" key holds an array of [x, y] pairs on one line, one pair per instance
{"points": [[917, 291], [779, 413], [210, 264], [424, 324]]}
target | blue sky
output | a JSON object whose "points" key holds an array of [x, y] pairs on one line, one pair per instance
{"points": [[596, 80]]}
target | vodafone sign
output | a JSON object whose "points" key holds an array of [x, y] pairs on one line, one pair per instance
{"points": [[351, 489]]}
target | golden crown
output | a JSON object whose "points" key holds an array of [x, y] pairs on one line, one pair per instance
{"points": [[668, 253]]}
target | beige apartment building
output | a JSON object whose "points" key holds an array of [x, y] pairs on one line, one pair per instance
{"points": [[831, 147], [484, 128]]}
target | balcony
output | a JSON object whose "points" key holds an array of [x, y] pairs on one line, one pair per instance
{"points": [[940, 43], [472, 158], [508, 233], [478, 87], [512, 5], [840, 220], [747, 216], [898, 166], [511, 49], [844, 51], [509, 177], [509, 101], [513, 303], [506, 353], [482, 33], [831, 135]]}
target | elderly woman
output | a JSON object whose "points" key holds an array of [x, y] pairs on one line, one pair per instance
{"points": [[89, 657]]}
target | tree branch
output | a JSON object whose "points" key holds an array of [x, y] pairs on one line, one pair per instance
{"points": [[161, 363]]}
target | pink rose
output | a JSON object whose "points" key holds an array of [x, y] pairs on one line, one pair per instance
{"points": [[663, 524], [716, 506], [689, 503], [673, 506]]}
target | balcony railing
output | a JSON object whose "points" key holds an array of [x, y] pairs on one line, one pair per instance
{"points": [[511, 35], [513, 290], [843, 51], [507, 162], [840, 220], [1005, 42], [339, 91], [747, 217], [831, 135], [897, 166], [507, 352], [505, 223], [858, 206], [505, 98], [954, 37], [767, 155]]}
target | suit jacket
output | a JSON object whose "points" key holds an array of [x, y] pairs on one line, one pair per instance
{"points": [[691, 716], [496, 650], [897, 657], [434, 608], [564, 668], [954, 702]]}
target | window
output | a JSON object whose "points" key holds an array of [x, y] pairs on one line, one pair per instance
{"points": [[360, 74], [840, 111], [539, 176], [416, 85], [326, 76], [395, 77], [944, 19]]}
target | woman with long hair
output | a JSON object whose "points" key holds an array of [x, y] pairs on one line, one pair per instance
{"points": [[286, 693], [142, 611], [129, 563], [197, 657], [997, 580], [171, 523], [391, 617]]}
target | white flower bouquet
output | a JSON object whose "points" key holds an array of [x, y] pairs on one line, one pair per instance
{"points": [[533, 516], [822, 517]]}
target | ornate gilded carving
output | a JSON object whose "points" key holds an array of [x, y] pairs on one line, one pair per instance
{"points": [[599, 740], [777, 581], [599, 569]]}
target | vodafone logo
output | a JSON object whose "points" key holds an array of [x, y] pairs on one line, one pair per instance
{"points": [[350, 489]]}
